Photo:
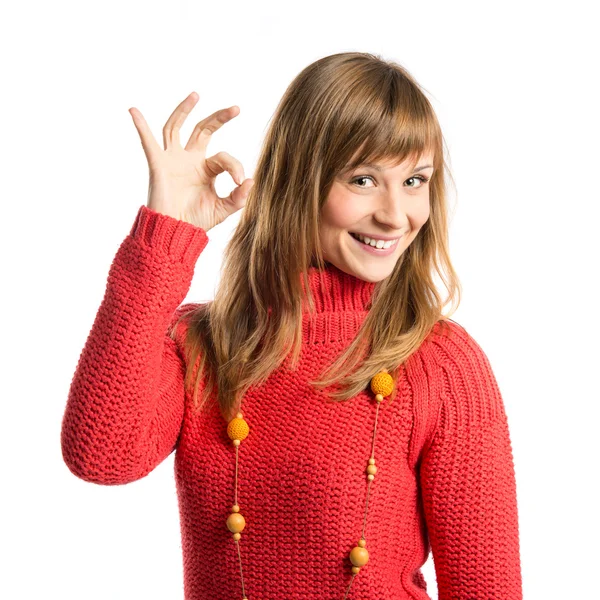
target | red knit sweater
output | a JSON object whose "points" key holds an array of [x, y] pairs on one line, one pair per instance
{"points": [[445, 478]]}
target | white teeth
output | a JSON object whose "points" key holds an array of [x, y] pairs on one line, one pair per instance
{"points": [[374, 243]]}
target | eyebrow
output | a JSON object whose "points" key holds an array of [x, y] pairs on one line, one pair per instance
{"points": [[380, 168]]}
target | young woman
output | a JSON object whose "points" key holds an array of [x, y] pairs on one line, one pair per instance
{"points": [[331, 424]]}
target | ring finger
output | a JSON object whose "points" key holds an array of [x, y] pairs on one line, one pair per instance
{"points": [[204, 129]]}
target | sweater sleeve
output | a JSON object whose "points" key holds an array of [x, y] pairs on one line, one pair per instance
{"points": [[468, 481], [125, 403]]}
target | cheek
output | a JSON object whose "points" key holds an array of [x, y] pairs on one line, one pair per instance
{"points": [[341, 210], [421, 215]]}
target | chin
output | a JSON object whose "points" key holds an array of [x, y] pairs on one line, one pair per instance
{"points": [[371, 275], [374, 278]]}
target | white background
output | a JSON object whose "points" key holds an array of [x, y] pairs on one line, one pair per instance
{"points": [[515, 86]]}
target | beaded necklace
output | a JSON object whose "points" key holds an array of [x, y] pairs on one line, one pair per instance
{"points": [[382, 385]]}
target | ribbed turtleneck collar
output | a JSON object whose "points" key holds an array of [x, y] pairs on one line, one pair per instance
{"points": [[341, 304], [335, 290]]}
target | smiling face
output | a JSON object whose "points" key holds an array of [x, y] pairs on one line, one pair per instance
{"points": [[381, 201]]}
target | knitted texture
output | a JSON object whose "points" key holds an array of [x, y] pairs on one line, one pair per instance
{"points": [[445, 475]]}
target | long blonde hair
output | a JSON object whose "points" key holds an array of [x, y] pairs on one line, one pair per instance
{"points": [[336, 106]]}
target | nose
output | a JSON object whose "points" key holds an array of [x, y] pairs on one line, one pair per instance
{"points": [[393, 213]]}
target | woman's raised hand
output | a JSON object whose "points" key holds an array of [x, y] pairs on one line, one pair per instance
{"points": [[182, 180]]}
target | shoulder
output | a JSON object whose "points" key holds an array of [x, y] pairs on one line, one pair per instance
{"points": [[468, 386], [186, 309], [449, 343], [179, 321]]}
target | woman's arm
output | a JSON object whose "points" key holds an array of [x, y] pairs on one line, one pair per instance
{"points": [[468, 480], [126, 400]]}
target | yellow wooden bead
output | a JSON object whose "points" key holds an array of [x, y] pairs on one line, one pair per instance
{"points": [[379, 398], [237, 536], [370, 477], [237, 429], [382, 383], [371, 461], [362, 543], [235, 508], [371, 469], [355, 570], [359, 557], [236, 522]]}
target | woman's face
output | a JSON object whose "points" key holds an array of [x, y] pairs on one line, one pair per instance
{"points": [[387, 204]]}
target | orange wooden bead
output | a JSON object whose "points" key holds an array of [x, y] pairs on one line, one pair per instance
{"points": [[359, 557], [236, 522]]}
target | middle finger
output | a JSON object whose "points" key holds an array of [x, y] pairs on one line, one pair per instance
{"points": [[175, 121]]}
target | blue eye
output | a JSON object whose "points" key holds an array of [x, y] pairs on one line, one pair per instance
{"points": [[423, 180]]}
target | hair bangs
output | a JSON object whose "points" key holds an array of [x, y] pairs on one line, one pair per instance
{"points": [[395, 131]]}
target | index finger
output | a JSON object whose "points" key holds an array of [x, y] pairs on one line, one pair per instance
{"points": [[175, 121]]}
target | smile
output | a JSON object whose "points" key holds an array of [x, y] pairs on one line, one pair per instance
{"points": [[379, 248], [374, 242]]}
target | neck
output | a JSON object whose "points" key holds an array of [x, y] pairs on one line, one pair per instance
{"points": [[341, 303]]}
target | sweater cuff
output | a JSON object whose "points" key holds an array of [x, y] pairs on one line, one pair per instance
{"points": [[179, 239]]}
